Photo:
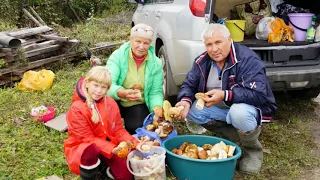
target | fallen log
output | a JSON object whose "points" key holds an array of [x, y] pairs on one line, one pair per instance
{"points": [[39, 45], [55, 37], [43, 50], [30, 32], [9, 41]]}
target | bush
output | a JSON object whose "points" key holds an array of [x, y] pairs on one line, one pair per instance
{"points": [[59, 11]]}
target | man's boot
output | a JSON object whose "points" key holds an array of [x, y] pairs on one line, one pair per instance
{"points": [[253, 152], [227, 130]]}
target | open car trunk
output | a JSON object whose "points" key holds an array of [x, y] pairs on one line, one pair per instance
{"points": [[281, 54]]}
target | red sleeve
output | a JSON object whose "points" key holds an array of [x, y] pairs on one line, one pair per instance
{"points": [[79, 128], [121, 134]]}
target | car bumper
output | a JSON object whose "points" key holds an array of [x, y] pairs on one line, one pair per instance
{"points": [[293, 78]]}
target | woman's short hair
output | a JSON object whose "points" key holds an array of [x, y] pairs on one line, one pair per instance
{"points": [[212, 28], [142, 30]]}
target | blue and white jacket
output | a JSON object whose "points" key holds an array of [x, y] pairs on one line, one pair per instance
{"points": [[244, 80]]}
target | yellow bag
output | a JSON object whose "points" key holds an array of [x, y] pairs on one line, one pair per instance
{"points": [[33, 80]]}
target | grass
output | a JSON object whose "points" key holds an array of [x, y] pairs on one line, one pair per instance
{"points": [[28, 150]]}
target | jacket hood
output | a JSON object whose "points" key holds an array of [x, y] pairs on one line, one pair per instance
{"points": [[79, 92]]}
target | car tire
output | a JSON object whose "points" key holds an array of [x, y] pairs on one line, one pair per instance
{"points": [[306, 93], [162, 54]]}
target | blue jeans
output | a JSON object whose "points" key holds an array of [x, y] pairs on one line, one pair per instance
{"points": [[242, 116]]}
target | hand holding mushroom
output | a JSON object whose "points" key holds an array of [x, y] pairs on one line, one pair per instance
{"points": [[158, 112], [216, 95], [200, 97], [183, 111], [130, 94], [123, 149]]}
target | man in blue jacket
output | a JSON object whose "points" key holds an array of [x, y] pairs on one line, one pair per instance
{"points": [[240, 98]]}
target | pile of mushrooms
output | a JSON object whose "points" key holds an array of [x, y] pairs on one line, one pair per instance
{"points": [[161, 127], [146, 167], [148, 141], [207, 151]]}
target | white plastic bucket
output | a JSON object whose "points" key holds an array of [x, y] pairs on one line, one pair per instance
{"points": [[149, 168]]}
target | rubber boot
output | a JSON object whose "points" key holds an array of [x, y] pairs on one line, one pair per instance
{"points": [[253, 157], [91, 172], [222, 127]]}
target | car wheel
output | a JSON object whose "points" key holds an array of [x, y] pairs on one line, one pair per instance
{"points": [[306, 93], [162, 54]]}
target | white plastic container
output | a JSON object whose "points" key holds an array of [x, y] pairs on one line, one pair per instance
{"points": [[317, 36], [153, 168]]}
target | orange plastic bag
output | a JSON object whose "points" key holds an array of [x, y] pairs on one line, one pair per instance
{"points": [[280, 32], [37, 81]]}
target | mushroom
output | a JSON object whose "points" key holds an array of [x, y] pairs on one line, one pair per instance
{"points": [[200, 102], [203, 154], [207, 146], [167, 129], [192, 153], [150, 127], [231, 151], [175, 111], [166, 106], [222, 154], [137, 86]]}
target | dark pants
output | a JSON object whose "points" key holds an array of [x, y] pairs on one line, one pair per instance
{"points": [[133, 116]]}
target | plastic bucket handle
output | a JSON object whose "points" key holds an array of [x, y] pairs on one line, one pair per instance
{"points": [[296, 26], [239, 27], [149, 173]]}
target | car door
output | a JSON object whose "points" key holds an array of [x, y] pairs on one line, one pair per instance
{"points": [[143, 12]]}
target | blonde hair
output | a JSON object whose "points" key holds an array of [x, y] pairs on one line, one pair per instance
{"points": [[212, 28], [99, 74], [142, 30]]}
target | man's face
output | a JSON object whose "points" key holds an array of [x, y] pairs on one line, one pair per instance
{"points": [[218, 47], [139, 46]]}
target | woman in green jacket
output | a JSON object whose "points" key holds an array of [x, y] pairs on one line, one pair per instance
{"points": [[137, 78]]}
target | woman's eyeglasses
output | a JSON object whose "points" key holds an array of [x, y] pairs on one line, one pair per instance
{"points": [[147, 31]]}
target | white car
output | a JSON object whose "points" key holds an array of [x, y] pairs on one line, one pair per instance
{"points": [[178, 25]]}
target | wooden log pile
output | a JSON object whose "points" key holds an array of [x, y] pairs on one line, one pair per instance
{"points": [[33, 48], [24, 49]]}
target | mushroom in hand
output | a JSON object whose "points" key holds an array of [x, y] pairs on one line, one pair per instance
{"points": [[200, 102]]}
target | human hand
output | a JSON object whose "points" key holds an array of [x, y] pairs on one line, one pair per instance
{"points": [[158, 111], [184, 112], [215, 96], [130, 94], [123, 149]]}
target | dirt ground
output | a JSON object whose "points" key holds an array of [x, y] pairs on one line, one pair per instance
{"points": [[314, 127]]}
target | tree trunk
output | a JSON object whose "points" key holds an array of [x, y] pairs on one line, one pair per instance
{"points": [[73, 11]]}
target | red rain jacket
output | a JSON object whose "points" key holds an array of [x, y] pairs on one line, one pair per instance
{"points": [[83, 132]]}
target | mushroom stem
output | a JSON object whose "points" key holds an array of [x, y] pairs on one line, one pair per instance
{"points": [[200, 104]]}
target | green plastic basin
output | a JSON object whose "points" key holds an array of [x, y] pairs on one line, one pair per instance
{"points": [[198, 169]]}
